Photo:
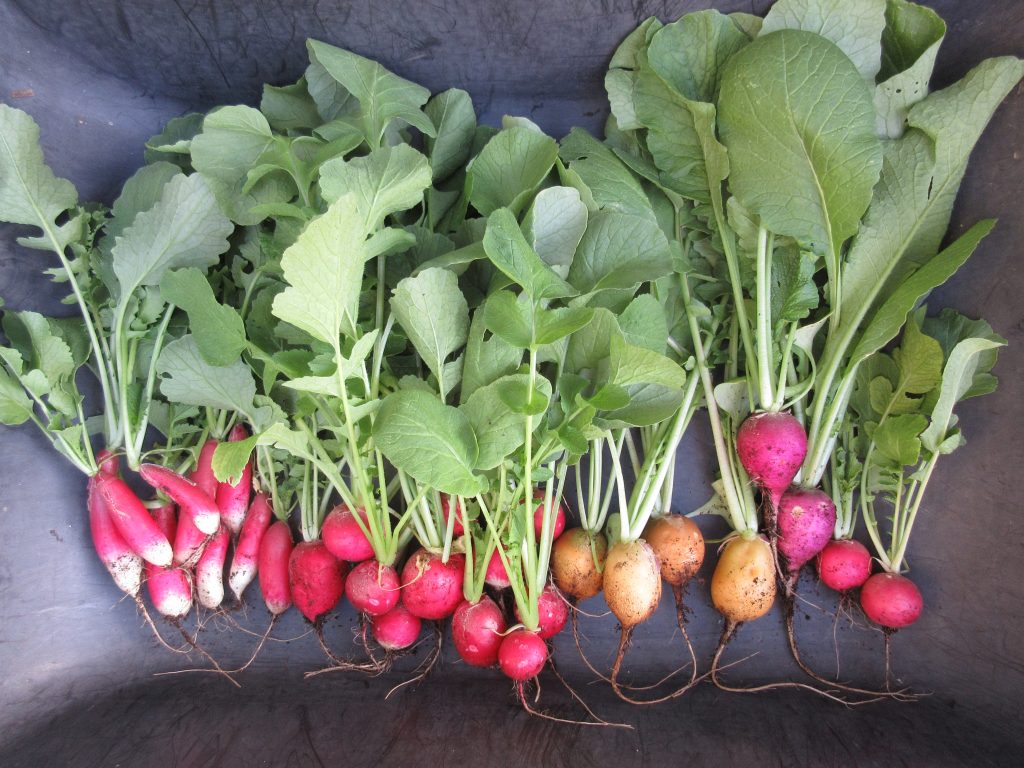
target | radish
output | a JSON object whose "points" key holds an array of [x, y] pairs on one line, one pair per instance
{"points": [[891, 600], [553, 613], [210, 570], [538, 518], [124, 566], [679, 546], [316, 578], [169, 588], [233, 500], [432, 589], [743, 584], [771, 447], [397, 629], [572, 562], [458, 527], [806, 519], [844, 564], [189, 541], [186, 494], [275, 550], [478, 630], [522, 655], [344, 538], [496, 576], [108, 462], [247, 550], [202, 475], [632, 582], [372, 588], [133, 521]]}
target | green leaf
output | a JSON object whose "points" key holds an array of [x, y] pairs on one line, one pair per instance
{"points": [[387, 180], [897, 439], [383, 96], [232, 141], [555, 225], [509, 251], [140, 193], [454, 121], [39, 347], [290, 107], [432, 442], [637, 365], [619, 251], [648, 404], [185, 377], [690, 54], [230, 458], [15, 407], [793, 292], [217, 328], [509, 169], [919, 358], [173, 144], [855, 26], [324, 270], [515, 392], [510, 318], [551, 325], [733, 397], [607, 181], [619, 82], [499, 429], [949, 328], [433, 312], [486, 360], [592, 345], [643, 323]]}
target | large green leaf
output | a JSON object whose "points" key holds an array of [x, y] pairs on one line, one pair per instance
{"points": [[689, 54], [619, 251], [555, 225], [387, 180], [185, 377], [509, 169], [499, 429], [15, 407], [231, 143], [509, 251], [217, 328], [603, 176], [455, 123], [486, 359]]}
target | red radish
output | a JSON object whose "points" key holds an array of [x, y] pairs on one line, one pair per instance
{"points": [[169, 588], [123, 564], [275, 550], [396, 630], [458, 528], [373, 588], [891, 600], [343, 537], [233, 500], [522, 655], [247, 550], [107, 462], [552, 611], [477, 630], [771, 447], [316, 577], [186, 494], [188, 541], [210, 570], [496, 575], [432, 589], [806, 520], [133, 522], [202, 475], [844, 564], [538, 518]]}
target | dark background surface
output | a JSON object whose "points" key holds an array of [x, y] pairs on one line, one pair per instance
{"points": [[77, 667]]}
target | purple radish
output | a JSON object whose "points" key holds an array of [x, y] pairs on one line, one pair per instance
{"points": [[806, 519], [771, 448]]}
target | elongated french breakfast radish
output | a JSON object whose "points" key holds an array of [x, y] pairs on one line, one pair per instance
{"points": [[169, 588], [432, 589], [123, 564], [189, 541], [477, 632], [202, 475], [373, 588], [233, 499], [107, 462], [275, 550], [771, 447], [210, 570], [189, 497], [343, 537], [247, 550], [397, 629], [133, 521], [316, 578]]}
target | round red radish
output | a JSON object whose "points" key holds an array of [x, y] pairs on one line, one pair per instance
{"points": [[538, 518], [202, 474], [344, 538], [891, 600], [432, 589], [275, 551], [233, 499], [771, 448], [124, 566], [553, 613], [458, 527], [373, 588], [316, 578], [806, 520], [395, 630], [497, 576], [133, 521], [477, 631], [169, 588], [189, 497], [210, 570], [844, 564], [522, 655], [247, 550]]}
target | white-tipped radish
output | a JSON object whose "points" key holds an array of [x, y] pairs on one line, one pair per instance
{"points": [[169, 588], [189, 497], [210, 570], [247, 550], [124, 565], [233, 498], [275, 550], [133, 521]]}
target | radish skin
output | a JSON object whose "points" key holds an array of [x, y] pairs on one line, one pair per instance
{"points": [[572, 563], [477, 632], [316, 578], [743, 585], [373, 588], [806, 519], [189, 541], [202, 475], [247, 550], [891, 600], [538, 518], [396, 630], [133, 521], [343, 537], [210, 570], [275, 550], [432, 589], [169, 588], [844, 564], [522, 655], [108, 463], [553, 613], [496, 575], [124, 566], [233, 500], [187, 495], [458, 527], [632, 582], [771, 447]]}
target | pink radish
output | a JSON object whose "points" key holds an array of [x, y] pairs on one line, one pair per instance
{"points": [[891, 601], [432, 589], [233, 500], [477, 630], [133, 521], [771, 447], [169, 588], [202, 475], [343, 537], [316, 578], [497, 576], [806, 519], [247, 550], [522, 655], [121, 562], [458, 527], [844, 564], [107, 462], [397, 629], [189, 541], [210, 570], [538, 518], [275, 550], [372, 588], [189, 497], [553, 613]]}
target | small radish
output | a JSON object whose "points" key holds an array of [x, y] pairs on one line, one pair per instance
{"points": [[233, 500], [133, 521], [202, 475], [477, 631], [496, 575], [121, 562], [316, 578], [210, 570], [891, 601], [189, 541], [572, 563], [632, 582], [522, 655], [107, 462], [538, 518], [679, 546], [844, 564], [743, 584], [458, 527], [169, 588], [275, 550], [189, 497], [344, 538], [247, 550], [432, 589], [373, 588], [771, 447], [396, 630], [806, 519], [553, 613]]}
